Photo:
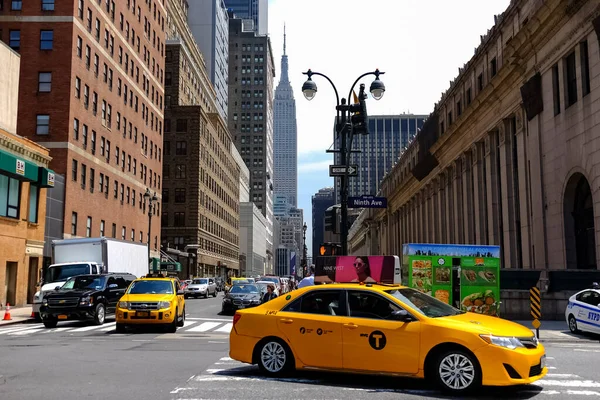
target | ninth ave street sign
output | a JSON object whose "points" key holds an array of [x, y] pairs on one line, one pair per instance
{"points": [[367, 202]]}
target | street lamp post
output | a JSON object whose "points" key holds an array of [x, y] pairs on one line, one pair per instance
{"points": [[304, 247], [358, 124], [151, 199]]}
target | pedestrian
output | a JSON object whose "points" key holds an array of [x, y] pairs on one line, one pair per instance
{"points": [[269, 295], [309, 280]]}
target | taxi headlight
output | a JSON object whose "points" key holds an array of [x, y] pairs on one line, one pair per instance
{"points": [[124, 304], [508, 342], [164, 304]]}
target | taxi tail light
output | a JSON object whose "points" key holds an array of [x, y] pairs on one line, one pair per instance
{"points": [[236, 318]]}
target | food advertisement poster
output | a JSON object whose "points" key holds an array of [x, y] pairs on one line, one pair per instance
{"points": [[420, 274], [480, 285], [442, 279]]}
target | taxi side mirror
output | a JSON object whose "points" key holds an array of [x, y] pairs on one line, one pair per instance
{"points": [[402, 315]]}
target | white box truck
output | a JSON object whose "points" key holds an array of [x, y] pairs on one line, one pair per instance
{"points": [[72, 257]]}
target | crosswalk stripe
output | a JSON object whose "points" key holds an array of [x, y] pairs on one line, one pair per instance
{"points": [[569, 383], [87, 328], [26, 332], [225, 328], [63, 329], [109, 327], [189, 323], [203, 327], [15, 329]]}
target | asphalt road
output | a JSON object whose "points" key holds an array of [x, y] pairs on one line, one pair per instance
{"points": [[76, 361]]}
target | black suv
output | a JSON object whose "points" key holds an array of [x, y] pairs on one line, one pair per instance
{"points": [[85, 297]]}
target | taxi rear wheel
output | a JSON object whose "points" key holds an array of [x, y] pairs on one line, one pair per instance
{"points": [[274, 357], [457, 372], [573, 324]]}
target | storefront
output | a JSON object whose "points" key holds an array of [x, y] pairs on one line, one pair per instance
{"points": [[24, 176]]}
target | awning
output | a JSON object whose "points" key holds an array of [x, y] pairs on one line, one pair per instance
{"points": [[46, 178], [18, 168]]}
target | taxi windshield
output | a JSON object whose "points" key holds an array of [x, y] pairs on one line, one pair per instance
{"points": [[425, 304], [244, 289], [151, 287]]}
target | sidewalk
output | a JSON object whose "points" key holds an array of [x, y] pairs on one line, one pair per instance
{"points": [[557, 331], [18, 315]]}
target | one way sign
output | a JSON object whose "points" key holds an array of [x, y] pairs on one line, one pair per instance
{"points": [[340, 170]]}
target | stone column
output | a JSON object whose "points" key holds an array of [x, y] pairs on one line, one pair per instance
{"points": [[441, 208], [493, 202], [523, 190], [467, 192], [449, 208], [457, 206], [479, 206], [509, 248]]}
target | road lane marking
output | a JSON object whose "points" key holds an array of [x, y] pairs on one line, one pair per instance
{"points": [[203, 327], [587, 350], [188, 323], [215, 370], [583, 393], [63, 329], [562, 376], [569, 383], [15, 329], [214, 342], [225, 328], [227, 359], [27, 332], [109, 328], [211, 319], [88, 328]]}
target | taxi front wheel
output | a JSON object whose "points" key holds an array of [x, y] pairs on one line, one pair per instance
{"points": [[274, 357], [457, 372]]}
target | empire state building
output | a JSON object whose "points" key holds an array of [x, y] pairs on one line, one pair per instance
{"points": [[285, 137]]}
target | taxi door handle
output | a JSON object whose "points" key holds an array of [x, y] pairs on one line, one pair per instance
{"points": [[351, 326], [286, 320]]}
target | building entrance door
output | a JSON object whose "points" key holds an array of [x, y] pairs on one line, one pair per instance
{"points": [[10, 289], [33, 278]]}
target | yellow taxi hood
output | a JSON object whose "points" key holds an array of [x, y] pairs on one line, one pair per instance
{"points": [[484, 324], [147, 297]]}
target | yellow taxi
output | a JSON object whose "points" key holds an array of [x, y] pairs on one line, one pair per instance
{"points": [[151, 301], [385, 329], [236, 280]]}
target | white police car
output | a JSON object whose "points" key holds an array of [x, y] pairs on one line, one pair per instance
{"points": [[583, 311]]}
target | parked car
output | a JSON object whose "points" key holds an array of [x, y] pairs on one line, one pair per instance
{"points": [[201, 287], [241, 296], [84, 297], [583, 311]]}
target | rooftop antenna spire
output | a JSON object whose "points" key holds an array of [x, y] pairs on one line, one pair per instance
{"points": [[284, 38]]}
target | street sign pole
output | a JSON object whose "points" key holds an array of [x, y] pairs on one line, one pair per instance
{"points": [[535, 303]]}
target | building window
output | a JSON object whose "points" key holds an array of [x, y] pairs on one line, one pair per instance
{"points": [[556, 89], [123, 230], [570, 80], [47, 5], [93, 142], [493, 67], [86, 96], [15, 40], [77, 87], [114, 230], [181, 125], [46, 40], [34, 194], [181, 148], [83, 175], [42, 124], [44, 82], [102, 223], [179, 219], [76, 128], [97, 29], [133, 235], [164, 219], [88, 227], [16, 5], [74, 224], [79, 46], [180, 171], [179, 196], [80, 9], [9, 197], [585, 68], [74, 170]]}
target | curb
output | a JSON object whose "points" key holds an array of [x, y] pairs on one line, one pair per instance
{"points": [[14, 322]]}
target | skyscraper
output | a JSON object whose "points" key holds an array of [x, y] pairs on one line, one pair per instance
{"points": [[285, 136], [388, 136], [91, 91], [251, 75], [255, 10], [321, 201], [209, 23]]}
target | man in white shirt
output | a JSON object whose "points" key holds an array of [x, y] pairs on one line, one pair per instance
{"points": [[309, 280]]}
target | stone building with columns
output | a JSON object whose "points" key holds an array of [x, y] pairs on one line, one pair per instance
{"points": [[510, 155]]}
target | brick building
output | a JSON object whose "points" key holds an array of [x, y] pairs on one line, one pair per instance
{"points": [[91, 90], [509, 157], [201, 188], [24, 177]]}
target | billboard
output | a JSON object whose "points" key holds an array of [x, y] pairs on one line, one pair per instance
{"points": [[367, 269]]}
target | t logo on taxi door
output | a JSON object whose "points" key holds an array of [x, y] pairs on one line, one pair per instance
{"points": [[377, 340]]}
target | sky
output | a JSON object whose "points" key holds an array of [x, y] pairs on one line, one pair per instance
{"points": [[419, 44]]}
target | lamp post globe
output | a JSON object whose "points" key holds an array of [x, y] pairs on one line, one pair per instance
{"points": [[309, 89], [377, 89]]}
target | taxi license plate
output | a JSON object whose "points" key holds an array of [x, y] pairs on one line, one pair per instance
{"points": [[543, 362], [142, 314], [63, 317]]}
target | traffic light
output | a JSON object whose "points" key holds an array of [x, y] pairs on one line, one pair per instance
{"points": [[331, 220], [360, 119], [330, 249]]}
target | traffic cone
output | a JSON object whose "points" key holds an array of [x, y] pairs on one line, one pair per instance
{"points": [[7, 313]]}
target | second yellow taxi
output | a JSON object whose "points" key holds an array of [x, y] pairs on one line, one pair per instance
{"points": [[385, 329]]}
